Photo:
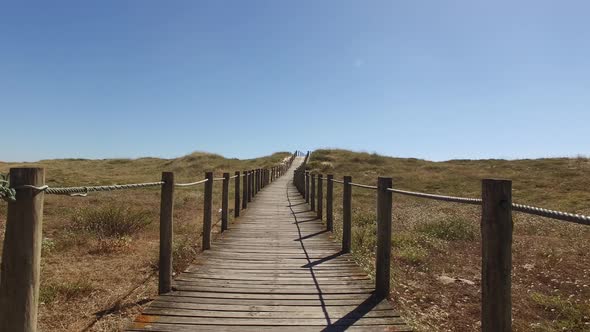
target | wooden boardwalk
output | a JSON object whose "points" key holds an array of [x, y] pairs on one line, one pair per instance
{"points": [[276, 269]]}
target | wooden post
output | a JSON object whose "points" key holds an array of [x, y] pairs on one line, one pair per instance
{"points": [[383, 255], [312, 192], [166, 233], [320, 197], [346, 214], [21, 256], [249, 186], [301, 180], [306, 187], [245, 190], [253, 183], [257, 180], [224, 202], [237, 195], [255, 189], [330, 203], [496, 267], [207, 206]]}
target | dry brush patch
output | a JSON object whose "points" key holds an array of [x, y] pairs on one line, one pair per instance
{"points": [[100, 253], [436, 246]]}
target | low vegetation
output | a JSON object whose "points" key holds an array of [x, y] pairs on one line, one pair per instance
{"points": [[436, 246], [100, 253], [110, 221], [64, 291]]}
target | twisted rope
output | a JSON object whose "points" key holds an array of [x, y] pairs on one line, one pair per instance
{"points": [[337, 181], [218, 179], [559, 215], [565, 216], [83, 191], [474, 201], [190, 183], [362, 185]]}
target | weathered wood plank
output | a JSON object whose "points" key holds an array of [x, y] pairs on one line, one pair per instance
{"points": [[277, 267]]}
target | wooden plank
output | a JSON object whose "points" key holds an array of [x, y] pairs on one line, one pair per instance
{"points": [[162, 327], [253, 321], [278, 268]]}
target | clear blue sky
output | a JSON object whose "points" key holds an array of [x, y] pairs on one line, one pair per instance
{"points": [[428, 79]]}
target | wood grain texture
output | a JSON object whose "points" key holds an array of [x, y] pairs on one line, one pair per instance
{"points": [[330, 203], [237, 194], [21, 255], [166, 232], [207, 206], [496, 267], [383, 256], [347, 214], [276, 269], [225, 202]]}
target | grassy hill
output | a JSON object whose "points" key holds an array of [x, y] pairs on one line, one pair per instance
{"points": [[98, 249], [436, 245]]}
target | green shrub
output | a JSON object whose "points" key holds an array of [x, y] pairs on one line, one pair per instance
{"points": [[183, 253], [110, 221], [364, 239], [409, 248], [47, 246], [567, 315], [111, 245], [412, 254], [455, 229], [65, 291]]}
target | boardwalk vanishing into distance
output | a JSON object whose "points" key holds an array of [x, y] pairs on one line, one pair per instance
{"points": [[277, 268]]}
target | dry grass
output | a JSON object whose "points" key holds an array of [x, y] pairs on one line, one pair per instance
{"points": [[551, 266], [99, 249]]}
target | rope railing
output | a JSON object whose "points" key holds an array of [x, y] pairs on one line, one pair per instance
{"points": [[84, 190], [564, 216], [21, 255], [464, 200], [542, 212], [496, 232], [362, 185], [190, 183]]}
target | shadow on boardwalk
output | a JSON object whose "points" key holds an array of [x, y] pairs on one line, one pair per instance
{"points": [[275, 269]]}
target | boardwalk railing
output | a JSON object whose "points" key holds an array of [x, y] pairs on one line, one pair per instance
{"points": [[299, 175], [496, 230], [21, 256]]}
